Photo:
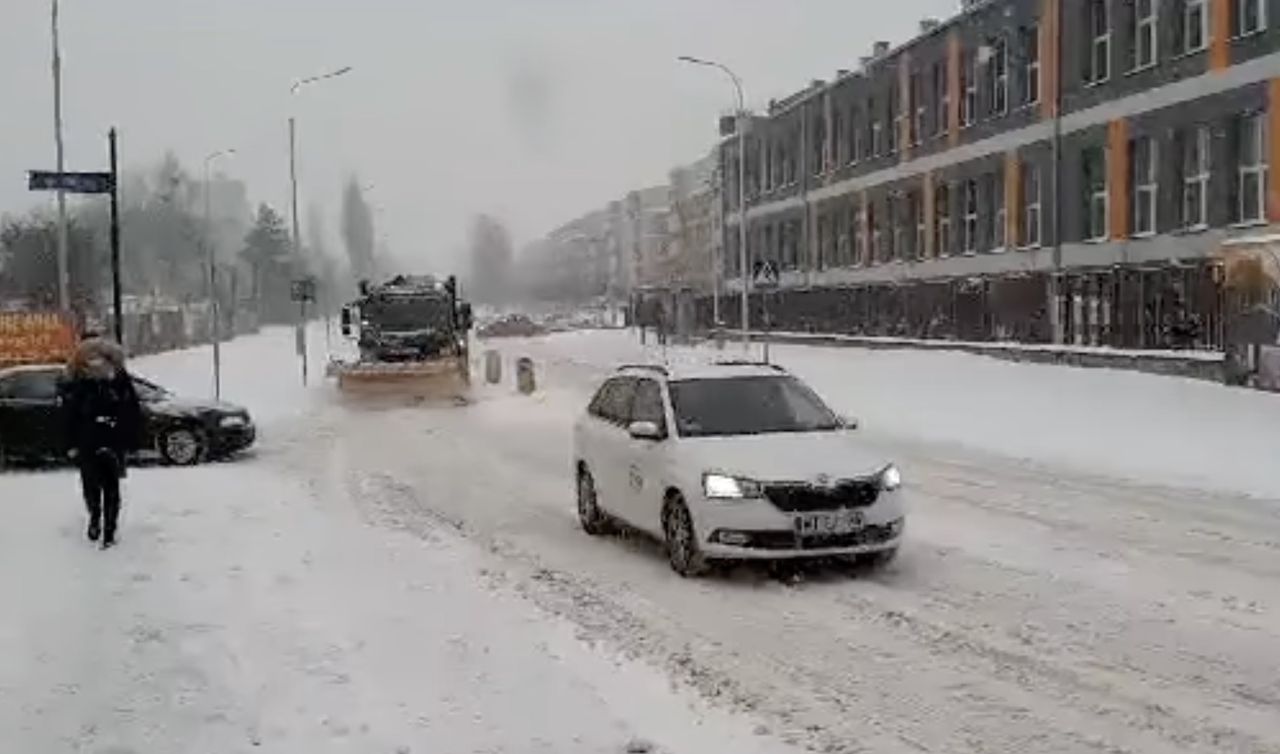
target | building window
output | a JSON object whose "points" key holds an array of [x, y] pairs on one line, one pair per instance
{"points": [[839, 138], [1094, 165], [969, 88], [969, 240], [1143, 164], [874, 129], [1099, 58], [1195, 178], [1144, 32], [917, 102], [895, 113], [859, 235], [998, 75], [999, 220], [1031, 216], [1195, 25], [1250, 17], [942, 220], [1031, 66], [873, 225], [897, 228], [916, 208], [1252, 172], [941, 98], [858, 145]]}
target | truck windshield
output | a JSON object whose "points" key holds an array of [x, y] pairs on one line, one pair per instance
{"points": [[407, 314]]}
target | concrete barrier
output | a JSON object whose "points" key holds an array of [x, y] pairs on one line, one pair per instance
{"points": [[492, 367], [525, 381]]}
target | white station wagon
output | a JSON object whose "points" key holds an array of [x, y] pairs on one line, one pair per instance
{"points": [[732, 461]]}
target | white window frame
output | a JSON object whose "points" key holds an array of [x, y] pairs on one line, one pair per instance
{"points": [[998, 69], [1101, 195], [877, 137], [897, 233], [1000, 226], [875, 224], [1190, 9], [969, 243], [969, 97], [1146, 188], [1261, 6], [1031, 96], [942, 121], [859, 237], [1147, 27], [1100, 44], [917, 208], [1032, 215], [1199, 179], [942, 219], [857, 149], [1256, 171], [918, 99]]}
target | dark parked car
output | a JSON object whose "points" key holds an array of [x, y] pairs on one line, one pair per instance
{"points": [[178, 431]]}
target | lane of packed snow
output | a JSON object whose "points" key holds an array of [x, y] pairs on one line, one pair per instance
{"points": [[247, 609]]}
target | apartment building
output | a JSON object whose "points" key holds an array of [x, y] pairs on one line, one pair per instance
{"points": [[1042, 170]]}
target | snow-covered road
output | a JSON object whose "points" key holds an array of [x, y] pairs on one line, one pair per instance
{"points": [[376, 580]]}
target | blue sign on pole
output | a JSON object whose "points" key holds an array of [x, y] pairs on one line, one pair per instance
{"points": [[75, 183]]}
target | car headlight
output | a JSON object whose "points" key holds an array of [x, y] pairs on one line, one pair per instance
{"points": [[890, 478], [229, 422], [725, 487]]}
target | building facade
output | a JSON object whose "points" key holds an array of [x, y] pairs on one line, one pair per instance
{"points": [[1040, 170], [689, 260]]}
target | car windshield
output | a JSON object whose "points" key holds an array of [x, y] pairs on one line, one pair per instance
{"points": [[748, 406], [407, 314]]}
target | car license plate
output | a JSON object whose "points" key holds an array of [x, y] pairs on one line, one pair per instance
{"points": [[832, 522]]}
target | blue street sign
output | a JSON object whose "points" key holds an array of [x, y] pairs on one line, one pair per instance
{"points": [[75, 183]]}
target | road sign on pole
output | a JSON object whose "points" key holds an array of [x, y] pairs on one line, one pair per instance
{"points": [[75, 183]]}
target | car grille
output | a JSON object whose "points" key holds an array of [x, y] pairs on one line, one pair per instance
{"points": [[854, 493]]}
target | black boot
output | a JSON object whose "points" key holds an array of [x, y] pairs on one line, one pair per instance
{"points": [[108, 540], [95, 529]]}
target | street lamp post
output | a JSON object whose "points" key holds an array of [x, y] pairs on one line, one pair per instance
{"points": [[64, 273], [741, 128], [293, 202], [211, 260]]}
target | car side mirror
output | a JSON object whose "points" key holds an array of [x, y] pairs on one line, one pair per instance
{"points": [[646, 431]]}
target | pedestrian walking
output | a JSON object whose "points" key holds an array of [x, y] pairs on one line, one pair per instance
{"points": [[103, 423]]}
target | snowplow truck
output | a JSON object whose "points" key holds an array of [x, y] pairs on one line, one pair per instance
{"points": [[412, 334]]}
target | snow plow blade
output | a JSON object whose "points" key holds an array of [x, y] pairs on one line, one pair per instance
{"points": [[445, 380]]}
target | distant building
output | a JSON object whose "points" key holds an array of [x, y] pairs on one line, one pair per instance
{"points": [[694, 233]]}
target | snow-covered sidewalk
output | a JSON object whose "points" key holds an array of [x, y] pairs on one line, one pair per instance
{"points": [[247, 609]]}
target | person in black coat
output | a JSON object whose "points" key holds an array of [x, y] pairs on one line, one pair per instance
{"points": [[103, 423]]}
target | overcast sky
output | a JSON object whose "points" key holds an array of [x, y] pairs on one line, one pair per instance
{"points": [[533, 110]]}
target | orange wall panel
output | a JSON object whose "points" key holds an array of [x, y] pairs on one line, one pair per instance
{"points": [[1220, 34], [1049, 73], [953, 89], [1118, 177]]}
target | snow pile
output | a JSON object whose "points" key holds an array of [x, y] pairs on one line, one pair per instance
{"points": [[1156, 429]]}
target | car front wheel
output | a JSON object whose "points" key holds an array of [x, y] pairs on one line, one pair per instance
{"points": [[182, 446], [682, 542], [593, 520]]}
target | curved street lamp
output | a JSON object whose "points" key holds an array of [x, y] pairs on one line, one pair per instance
{"points": [[741, 128]]}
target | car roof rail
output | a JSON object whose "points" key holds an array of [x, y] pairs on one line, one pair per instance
{"points": [[749, 363], [645, 367]]}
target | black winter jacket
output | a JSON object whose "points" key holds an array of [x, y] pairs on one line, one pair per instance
{"points": [[102, 414]]}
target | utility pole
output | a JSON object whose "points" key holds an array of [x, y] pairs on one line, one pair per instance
{"points": [[211, 259], [64, 273], [117, 295]]}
